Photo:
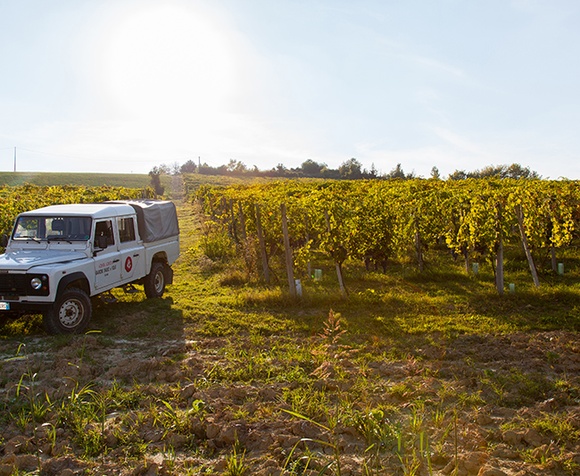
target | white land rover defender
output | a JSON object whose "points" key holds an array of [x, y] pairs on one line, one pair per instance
{"points": [[59, 257]]}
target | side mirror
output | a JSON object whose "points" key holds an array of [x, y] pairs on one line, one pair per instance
{"points": [[4, 241]]}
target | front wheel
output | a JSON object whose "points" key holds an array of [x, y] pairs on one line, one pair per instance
{"points": [[70, 314], [155, 281]]}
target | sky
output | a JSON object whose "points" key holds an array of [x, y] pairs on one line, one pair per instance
{"points": [[127, 85]]}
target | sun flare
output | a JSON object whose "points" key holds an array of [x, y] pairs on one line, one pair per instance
{"points": [[168, 61]]}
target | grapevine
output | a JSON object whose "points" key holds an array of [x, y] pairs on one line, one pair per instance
{"points": [[380, 221]]}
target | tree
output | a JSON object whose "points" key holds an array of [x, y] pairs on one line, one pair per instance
{"points": [[310, 168], [491, 171], [175, 169], [397, 173], [281, 170], [189, 167], [329, 173], [163, 169], [155, 175], [236, 167], [513, 171], [516, 171], [458, 175], [435, 173], [351, 169]]}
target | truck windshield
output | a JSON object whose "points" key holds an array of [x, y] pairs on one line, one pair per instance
{"points": [[49, 228]]}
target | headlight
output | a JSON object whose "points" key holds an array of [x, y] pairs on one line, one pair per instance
{"points": [[36, 283]]}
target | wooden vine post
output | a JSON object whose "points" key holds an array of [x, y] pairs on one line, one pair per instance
{"points": [[209, 201], [288, 252], [499, 276], [553, 258], [521, 226], [499, 279], [419, 246], [242, 221], [244, 244], [262, 245], [337, 263], [309, 263], [233, 226]]}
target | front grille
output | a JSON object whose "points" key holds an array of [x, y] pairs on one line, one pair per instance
{"points": [[14, 284]]}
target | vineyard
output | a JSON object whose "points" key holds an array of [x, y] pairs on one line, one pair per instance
{"points": [[317, 328], [387, 223]]}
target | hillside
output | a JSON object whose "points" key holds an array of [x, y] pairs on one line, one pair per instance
{"points": [[70, 178], [111, 179]]}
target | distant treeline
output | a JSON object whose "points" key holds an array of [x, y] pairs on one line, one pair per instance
{"points": [[352, 169]]}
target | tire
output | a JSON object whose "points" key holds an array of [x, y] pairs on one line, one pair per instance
{"points": [[155, 281], [70, 314]]}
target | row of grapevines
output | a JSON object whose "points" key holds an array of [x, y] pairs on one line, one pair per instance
{"points": [[380, 220], [15, 200]]}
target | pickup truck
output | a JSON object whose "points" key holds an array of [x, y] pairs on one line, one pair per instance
{"points": [[59, 257]]}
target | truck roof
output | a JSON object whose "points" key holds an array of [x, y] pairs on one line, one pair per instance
{"points": [[156, 219], [94, 210]]}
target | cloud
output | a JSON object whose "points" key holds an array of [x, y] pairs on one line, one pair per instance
{"points": [[460, 143]]}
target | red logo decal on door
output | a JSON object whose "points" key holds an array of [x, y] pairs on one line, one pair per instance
{"points": [[128, 264]]}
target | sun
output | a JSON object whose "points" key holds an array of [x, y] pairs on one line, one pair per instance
{"points": [[168, 60]]}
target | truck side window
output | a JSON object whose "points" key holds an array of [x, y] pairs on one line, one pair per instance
{"points": [[126, 229], [104, 228]]}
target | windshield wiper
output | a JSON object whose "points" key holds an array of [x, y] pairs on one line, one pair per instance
{"points": [[60, 238], [28, 238]]}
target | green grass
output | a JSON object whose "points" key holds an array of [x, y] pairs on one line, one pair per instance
{"points": [[110, 179], [70, 178]]}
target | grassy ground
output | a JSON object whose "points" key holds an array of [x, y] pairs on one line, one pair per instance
{"points": [[110, 179], [429, 373], [83, 179]]}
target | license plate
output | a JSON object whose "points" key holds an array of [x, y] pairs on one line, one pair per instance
{"points": [[4, 306]]}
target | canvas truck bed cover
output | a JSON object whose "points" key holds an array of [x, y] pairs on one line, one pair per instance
{"points": [[157, 219]]}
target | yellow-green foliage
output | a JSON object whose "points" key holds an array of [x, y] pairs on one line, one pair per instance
{"points": [[380, 220]]}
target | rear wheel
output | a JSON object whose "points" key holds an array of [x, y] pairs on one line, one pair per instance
{"points": [[155, 281], [70, 314]]}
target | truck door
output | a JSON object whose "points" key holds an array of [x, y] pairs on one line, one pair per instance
{"points": [[107, 261], [129, 249]]}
